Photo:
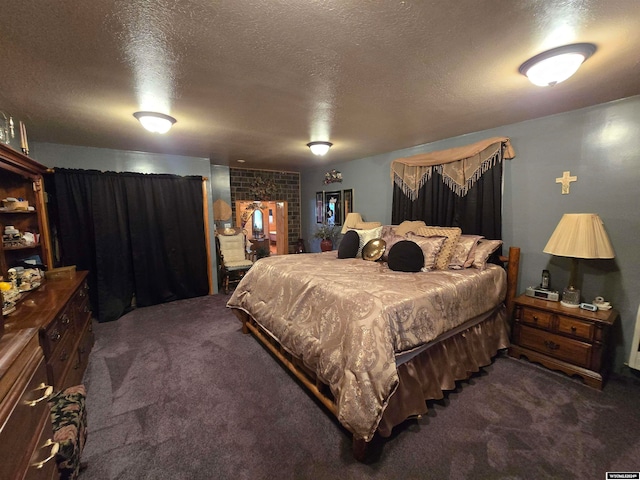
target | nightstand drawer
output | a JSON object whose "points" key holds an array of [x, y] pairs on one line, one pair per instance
{"points": [[539, 318], [562, 348], [575, 327]]}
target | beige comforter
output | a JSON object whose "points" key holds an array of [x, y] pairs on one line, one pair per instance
{"points": [[347, 318]]}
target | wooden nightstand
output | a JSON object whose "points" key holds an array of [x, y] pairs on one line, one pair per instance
{"points": [[571, 340]]}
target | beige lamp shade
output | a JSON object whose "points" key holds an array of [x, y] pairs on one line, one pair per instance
{"points": [[351, 221], [221, 210], [580, 235]]}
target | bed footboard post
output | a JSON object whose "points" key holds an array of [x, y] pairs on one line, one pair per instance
{"points": [[512, 279], [359, 448]]}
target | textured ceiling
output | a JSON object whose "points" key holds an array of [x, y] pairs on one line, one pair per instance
{"points": [[258, 79]]}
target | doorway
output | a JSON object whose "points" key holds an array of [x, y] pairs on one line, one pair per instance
{"points": [[265, 224]]}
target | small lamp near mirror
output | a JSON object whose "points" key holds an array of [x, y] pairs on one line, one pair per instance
{"points": [[351, 221], [578, 235]]}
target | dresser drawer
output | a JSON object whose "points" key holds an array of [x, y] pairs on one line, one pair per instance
{"points": [[54, 334], [42, 465], [575, 327], [81, 357], [60, 361], [24, 414], [82, 314], [562, 348], [539, 318]]}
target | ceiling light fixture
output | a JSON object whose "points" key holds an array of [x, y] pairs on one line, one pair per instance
{"points": [[556, 65], [155, 122], [319, 148]]}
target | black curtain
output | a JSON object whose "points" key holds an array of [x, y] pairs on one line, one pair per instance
{"points": [[137, 234], [479, 212]]}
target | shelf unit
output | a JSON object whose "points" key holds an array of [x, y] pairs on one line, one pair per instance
{"points": [[22, 177]]}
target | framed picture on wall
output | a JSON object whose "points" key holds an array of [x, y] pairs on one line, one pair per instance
{"points": [[347, 202], [333, 207], [319, 207]]}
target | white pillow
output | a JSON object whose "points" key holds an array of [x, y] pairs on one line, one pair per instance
{"points": [[365, 236]]}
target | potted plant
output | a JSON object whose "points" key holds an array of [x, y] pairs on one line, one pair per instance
{"points": [[327, 234]]}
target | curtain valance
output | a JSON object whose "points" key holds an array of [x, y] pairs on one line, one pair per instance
{"points": [[460, 167]]}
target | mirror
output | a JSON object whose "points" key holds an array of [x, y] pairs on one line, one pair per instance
{"points": [[258, 229]]}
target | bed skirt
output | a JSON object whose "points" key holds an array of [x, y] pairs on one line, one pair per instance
{"points": [[424, 377], [435, 370]]}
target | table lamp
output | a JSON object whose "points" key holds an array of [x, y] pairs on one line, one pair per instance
{"points": [[578, 235], [351, 221]]}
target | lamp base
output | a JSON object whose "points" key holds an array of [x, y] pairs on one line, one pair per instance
{"points": [[569, 305], [570, 297]]}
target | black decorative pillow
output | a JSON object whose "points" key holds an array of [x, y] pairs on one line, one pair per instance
{"points": [[349, 245], [406, 256]]}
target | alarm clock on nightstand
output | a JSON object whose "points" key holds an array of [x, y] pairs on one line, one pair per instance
{"points": [[536, 292]]}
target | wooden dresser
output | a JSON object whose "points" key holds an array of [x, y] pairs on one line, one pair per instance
{"points": [[26, 447], [60, 310], [570, 340]]}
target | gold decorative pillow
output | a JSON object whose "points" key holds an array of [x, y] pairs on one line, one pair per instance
{"points": [[367, 225], [409, 226], [452, 234], [463, 252], [430, 246]]}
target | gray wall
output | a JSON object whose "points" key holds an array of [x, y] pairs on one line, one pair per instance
{"points": [[87, 158], [600, 145]]}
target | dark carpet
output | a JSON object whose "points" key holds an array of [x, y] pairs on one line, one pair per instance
{"points": [[178, 392]]}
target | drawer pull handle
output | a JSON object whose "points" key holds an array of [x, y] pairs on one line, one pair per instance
{"points": [[535, 318], [64, 357], [55, 446], [48, 390], [55, 336], [551, 345], [573, 329], [86, 309], [65, 320]]}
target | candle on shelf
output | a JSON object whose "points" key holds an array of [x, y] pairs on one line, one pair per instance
{"points": [[22, 144]]}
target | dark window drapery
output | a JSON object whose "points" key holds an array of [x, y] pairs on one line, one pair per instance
{"points": [[479, 212], [137, 234]]}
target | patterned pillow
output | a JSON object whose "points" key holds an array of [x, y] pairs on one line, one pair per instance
{"points": [[430, 246], [409, 226], [390, 240], [452, 234], [463, 252], [367, 225], [365, 236], [388, 230], [484, 249]]}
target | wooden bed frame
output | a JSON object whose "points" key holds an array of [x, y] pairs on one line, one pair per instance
{"points": [[321, 390]]}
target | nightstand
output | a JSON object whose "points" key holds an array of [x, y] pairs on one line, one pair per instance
{"points": [[571, 340]]}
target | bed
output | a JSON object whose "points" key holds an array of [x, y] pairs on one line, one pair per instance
{"points": [[370, 343]]}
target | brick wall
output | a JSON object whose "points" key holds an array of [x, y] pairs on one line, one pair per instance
{"points": [[287, 189]]}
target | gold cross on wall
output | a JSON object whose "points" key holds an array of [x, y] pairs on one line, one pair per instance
{"points": [[566, 180]]}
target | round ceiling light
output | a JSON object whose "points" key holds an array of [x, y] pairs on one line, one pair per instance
{"points": [[319, 148], [155, 122], [556, 65]]}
